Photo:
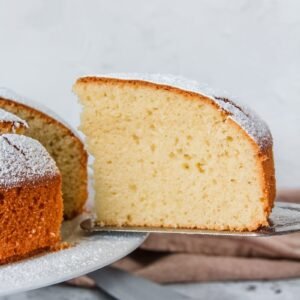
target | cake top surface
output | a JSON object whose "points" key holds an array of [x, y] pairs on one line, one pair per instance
{"points": [[248, 120], [6, 116], [22, 160]]}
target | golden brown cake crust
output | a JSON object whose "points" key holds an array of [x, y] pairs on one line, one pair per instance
{"points": [[8, 127], [10, 123], [263, 148], [31, 205], [8, 104], [31, 215]]}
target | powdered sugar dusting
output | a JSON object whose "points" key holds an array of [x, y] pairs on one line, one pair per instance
{"points": [[248, 120], [23, 159], [16, 122]]}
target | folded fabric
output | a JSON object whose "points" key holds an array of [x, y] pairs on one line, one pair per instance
{"points": [[169, 258]]}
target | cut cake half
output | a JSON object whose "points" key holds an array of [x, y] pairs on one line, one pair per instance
{"points": [[62, 143]]}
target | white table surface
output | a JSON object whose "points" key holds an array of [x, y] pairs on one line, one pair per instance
{"points": [[249, 48]]}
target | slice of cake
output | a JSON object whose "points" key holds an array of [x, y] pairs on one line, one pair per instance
{"points": [[168, 155], [63, 144], [31, 206]]}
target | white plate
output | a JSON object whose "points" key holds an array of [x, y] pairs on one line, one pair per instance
{"points": [[90, 252]]}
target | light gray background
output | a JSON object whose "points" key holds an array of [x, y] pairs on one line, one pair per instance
{"points": [[249, 48]]}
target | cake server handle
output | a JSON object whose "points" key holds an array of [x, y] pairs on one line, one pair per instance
{"points": [[125, 286]]}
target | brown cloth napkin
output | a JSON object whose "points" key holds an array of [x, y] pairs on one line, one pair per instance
{"points": [[170, 258]]}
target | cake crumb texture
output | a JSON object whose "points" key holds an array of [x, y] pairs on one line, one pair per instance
{"points": [[170, 157]]}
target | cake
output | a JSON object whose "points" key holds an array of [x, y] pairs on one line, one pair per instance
{"points": [[166, 154], [10, 123], [63, 144], [31, 206]]}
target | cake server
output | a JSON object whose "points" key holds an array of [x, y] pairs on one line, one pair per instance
{"points": [[284, 219], [122, 285]]}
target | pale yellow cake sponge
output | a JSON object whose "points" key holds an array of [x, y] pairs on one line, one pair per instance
{"points": [[167, 156]]}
